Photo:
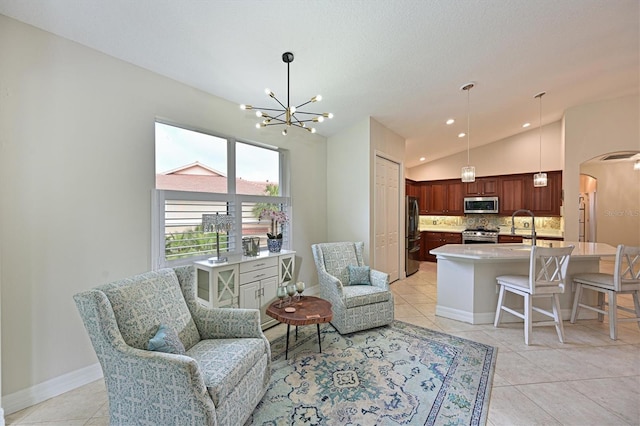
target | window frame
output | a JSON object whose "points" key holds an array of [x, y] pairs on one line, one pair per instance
{"points": [[234, 201]]}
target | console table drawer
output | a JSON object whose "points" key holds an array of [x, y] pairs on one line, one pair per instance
{"points": [[260, 274], [254, 265]]}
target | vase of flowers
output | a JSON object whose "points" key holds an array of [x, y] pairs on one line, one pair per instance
{"points": [[274, 238]]}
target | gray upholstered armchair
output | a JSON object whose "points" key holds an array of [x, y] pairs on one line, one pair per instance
{"points": [[355, 307], [220, 363]]}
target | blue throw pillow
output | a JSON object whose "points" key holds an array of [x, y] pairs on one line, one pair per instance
{"points": [[166, 340], [359, 275]]}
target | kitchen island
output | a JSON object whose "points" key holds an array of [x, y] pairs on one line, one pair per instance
{"points": [[467, 288]]}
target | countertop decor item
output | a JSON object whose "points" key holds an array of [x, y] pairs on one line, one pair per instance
{"points": [[288, 115], [217, 223]]}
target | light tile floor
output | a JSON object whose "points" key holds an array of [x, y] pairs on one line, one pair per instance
{"points": [[588, 380]]}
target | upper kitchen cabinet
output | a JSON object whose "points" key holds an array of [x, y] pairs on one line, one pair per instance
{"points": [[412, 188], [517, 192], [545, 200], [445, 198], [482, 187], [512, 194], [424, 191]]}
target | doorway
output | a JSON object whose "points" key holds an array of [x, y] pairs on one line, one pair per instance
{"points": [[387, 218]]}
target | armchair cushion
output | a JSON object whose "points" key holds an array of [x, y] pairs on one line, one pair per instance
{"points": [[361, 295], [166, 340], [359, 275], [224, 362]]}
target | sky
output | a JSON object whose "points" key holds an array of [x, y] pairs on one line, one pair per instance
{"points": [[176, 147]]}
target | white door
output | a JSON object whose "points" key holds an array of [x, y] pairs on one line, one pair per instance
{"points": [[387, 218]]}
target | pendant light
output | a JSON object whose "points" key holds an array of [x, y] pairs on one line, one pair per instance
{"points": [[469, 172], [540, 179]]}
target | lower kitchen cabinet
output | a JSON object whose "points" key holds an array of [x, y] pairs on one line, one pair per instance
{"points": [[431, 240], [245, 282], [509, 239]]}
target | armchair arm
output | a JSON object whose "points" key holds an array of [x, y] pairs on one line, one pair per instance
{"points": [[330, 288], [130, 372], [379, 279], [223, 323]]}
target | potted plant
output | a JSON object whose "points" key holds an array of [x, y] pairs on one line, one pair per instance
{"points": [[274, 238]]}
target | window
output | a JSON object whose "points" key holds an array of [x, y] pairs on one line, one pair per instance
{"points": [[199, 174]]}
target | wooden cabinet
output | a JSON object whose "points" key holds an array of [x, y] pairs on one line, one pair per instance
{"points": [[482, 187], [517, 192], [545, 200], [424, 192], [509, 238], [512, 194], [444, 198], [431, 240], [412, 188]]}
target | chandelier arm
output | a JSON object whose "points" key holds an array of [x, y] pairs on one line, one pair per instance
{"points": [[268, 109], [303, 104], [307, 112], [278, 101]]}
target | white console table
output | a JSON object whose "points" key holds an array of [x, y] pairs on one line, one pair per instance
{"points": [[245, 281]]}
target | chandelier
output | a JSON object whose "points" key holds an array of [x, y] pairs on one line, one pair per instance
{"points": [[540, 179], [468, 173], [288, 115]]}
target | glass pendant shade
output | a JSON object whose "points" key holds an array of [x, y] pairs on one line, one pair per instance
{"points": [[469, 174], [540, 179]]}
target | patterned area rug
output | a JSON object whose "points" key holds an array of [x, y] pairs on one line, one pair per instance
{"points": [[394, 375]]}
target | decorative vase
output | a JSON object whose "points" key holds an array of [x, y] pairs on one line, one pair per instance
{"points": [[274, 245]]}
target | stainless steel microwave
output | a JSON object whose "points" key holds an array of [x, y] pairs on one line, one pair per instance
{"points": [[481, 204]]}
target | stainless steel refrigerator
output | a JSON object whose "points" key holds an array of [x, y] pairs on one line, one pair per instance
{"points": [[412, 236]]}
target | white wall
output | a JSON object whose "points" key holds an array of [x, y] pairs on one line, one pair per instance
{"points": [[617, 202], [348, 184], [516, 154], [589, 131], [76, 177], [351, 180]]}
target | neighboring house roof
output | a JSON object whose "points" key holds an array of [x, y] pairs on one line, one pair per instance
{"points": [[196, 168], [197, 177]]}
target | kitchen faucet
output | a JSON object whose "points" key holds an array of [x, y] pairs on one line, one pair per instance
{"points": [[533, 224]]}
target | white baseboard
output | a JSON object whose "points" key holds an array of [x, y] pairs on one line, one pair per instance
{"points": [[1, 417], [45, 390]]}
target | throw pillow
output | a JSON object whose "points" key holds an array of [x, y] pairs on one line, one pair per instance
{"points": [[166, 340], [359, 275]]}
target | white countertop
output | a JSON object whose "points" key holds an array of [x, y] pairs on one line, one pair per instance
{"points": [[518, 251], [239, 258]]}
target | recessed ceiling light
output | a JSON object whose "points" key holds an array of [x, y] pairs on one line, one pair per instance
{"points": [[525, 125], [450, 121], [422, 158], [462, 135]]}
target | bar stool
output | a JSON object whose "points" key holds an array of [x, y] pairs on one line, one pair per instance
{"points": [[546, 279], [624, 280]]}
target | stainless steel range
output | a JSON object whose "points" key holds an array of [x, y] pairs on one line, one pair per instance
{"points": [[480, 236]]}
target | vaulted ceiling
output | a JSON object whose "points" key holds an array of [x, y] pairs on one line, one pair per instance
{"points": [[401, 62]]}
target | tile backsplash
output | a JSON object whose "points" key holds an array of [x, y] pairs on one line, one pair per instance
{"points": [[551, 224]]}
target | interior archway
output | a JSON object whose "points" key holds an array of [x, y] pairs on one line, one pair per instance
{"points": [[609, 201]]}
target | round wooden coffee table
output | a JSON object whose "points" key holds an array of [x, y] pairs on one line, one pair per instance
{"points": [[309, 310]]}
